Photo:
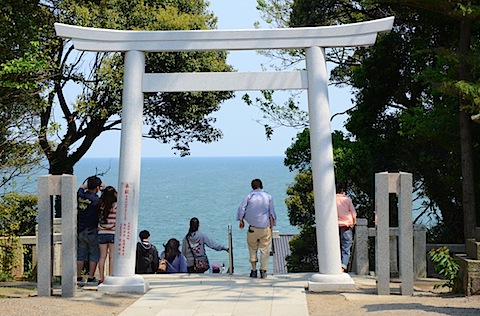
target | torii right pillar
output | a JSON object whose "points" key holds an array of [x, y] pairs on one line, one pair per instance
{"points": [[330, 276]]}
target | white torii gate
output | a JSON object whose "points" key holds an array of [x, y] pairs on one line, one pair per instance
{"points": [[136, 82]]}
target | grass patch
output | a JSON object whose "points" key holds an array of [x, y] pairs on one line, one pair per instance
{"points": [[17, 292]]}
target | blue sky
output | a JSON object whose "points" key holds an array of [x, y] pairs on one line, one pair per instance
{"points": [[243, 136]]}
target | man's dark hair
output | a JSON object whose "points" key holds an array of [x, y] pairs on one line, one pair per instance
{"points": [[144, 234], [340, 187], [93, 182], [257, 184]]}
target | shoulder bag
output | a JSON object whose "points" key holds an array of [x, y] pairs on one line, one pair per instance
{"points": [[200, 265]]}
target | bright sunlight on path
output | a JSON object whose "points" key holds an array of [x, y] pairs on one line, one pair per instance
{"points": [[222, 294]]}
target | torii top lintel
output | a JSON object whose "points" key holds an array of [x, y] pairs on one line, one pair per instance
{"points": [[105, 40]]}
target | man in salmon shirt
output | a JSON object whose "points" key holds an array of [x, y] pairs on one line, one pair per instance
{"points": [[347, 217]]}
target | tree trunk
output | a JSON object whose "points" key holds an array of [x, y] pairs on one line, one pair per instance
{"points": [[468, 180], [60, 165]]}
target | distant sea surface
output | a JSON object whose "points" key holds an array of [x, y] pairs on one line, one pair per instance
{"points": [[173, 190]]}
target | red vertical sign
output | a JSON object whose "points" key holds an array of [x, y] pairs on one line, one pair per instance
{"points": [[124, 220]]}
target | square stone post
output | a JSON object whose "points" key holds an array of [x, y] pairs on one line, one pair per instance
{"points": [[401, 184], [69, 235], [361, 247], [44, 238], [65, 187], [393, 241], [382, 248], [419, 251], [405, 238]]}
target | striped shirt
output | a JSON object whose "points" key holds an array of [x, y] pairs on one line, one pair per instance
{"points": [[108, 227]]}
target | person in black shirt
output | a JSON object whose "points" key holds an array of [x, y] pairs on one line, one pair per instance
{"points": [[87, 228]]}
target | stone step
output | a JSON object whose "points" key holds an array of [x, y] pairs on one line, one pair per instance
{"points": [[472, 248]]}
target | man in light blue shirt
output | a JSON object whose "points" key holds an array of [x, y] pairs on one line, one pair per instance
{"points": [[258, 210]]}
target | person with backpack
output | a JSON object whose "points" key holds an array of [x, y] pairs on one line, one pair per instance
{"points": [[147, 255]]}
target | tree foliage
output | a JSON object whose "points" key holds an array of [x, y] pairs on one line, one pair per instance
{"points": [[18, 214], [300, 195], [18, 217], [69, 125], [21, 70], [415, 91]]}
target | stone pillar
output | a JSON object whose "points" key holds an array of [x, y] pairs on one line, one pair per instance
{"points": [[65, 187], [328, 241], [44, 238], [124, 278], [393, 241], [382, 247], [69, 239], [401, 184], [361, 247], [420, 251], [405, 236]]}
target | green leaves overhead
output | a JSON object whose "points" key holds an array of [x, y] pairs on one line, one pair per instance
{"points": [[139, 15], [84, 90], [414, 93]]}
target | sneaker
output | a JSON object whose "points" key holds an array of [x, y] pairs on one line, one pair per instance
{"points": [[253, 273], [100, 282], [92, 280], [263, 274], [79, 279]]}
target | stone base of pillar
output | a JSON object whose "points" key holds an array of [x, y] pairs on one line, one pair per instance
{"points": [[330, 282], [130, 284]]}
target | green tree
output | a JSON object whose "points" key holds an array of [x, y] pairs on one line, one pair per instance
{"points": [[300, 202], [301, 212], [176, 118], [21, 72], [415, 91], [421, 104], [18, 215]]}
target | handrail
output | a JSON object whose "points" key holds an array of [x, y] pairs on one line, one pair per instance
{"points": [[230, 250]]}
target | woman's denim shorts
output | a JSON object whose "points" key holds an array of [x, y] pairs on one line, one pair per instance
{"points": [[106, 238]]}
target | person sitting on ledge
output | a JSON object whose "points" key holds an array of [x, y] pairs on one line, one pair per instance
{"points": [[147, 255]]}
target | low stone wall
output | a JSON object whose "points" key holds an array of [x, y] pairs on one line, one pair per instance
{"points": [[361, 249], [469, 273]]}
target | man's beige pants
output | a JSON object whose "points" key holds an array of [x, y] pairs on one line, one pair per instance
{"points": [[259, 238]]}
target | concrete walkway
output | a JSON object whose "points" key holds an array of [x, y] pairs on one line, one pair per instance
{"points": [[222, 295]]}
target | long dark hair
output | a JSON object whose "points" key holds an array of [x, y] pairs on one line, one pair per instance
{"points": [[171, 249], [105, 203], [194, 224]]}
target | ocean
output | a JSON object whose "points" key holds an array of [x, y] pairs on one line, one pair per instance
{"points": [[174, 189]]}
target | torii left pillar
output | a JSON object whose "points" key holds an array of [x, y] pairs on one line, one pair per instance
{"points": [[122, 279]]}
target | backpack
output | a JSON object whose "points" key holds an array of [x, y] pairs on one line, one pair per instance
{"points": [[145, 262]]}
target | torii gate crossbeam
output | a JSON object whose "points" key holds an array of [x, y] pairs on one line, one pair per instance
{"points": [[136, 82]]}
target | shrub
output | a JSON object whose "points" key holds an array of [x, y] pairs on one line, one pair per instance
{"points": [[18, 217], [445, 265]]}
